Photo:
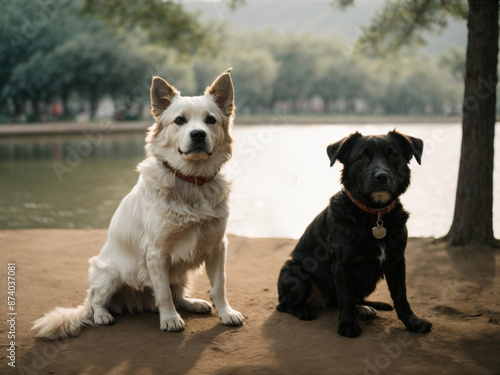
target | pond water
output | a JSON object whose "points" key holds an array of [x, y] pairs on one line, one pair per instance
{"points": [[281, 175]]}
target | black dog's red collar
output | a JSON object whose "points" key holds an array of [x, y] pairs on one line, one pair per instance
{"points": [[376, 211], [197, 180]]}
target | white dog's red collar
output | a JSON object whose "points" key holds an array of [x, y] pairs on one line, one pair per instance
{"points": [[197, 180]]}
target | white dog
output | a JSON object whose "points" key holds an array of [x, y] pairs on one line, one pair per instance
{"points": [[172, 221]]}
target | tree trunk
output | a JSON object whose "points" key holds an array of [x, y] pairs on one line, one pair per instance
{"points": [[64, 101], [473, 218], [35, 104], [18, 108], [94, 103]]}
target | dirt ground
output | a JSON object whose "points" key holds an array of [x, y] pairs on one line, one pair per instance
{"points": [[458, 291]]}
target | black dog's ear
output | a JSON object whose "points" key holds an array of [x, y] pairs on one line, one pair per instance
{"points": [[411, 146], [341, 149]]}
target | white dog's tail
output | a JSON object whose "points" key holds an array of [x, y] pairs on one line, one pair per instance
{"points": [[62, 322]]}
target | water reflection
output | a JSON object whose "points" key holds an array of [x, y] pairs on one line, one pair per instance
{"points": [[281, 174], [116, 146], [65, 181]]}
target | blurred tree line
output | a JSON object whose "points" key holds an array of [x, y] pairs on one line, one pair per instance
{"points": [[51, 52]]}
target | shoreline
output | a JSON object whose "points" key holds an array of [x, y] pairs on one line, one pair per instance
{"points": [[108, 126]]}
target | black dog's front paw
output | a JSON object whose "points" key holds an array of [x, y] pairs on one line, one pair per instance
{"points": [[418, 325], [301, 312], [305, 313], [349, 329]]}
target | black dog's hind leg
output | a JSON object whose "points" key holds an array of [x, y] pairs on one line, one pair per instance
{"points": [[294, 290], [367, 310], [395, 274], [382, 306]]}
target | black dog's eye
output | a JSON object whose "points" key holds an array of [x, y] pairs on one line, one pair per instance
{"points": [[181, 120], [210, 120], [394, 156], [363, 158]]}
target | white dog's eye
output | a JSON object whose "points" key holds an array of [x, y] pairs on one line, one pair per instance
{"points": [[181, 120], [210, 120]]}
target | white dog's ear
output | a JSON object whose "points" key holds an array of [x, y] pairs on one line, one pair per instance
{"points": [[161, 95], [223, 92]]}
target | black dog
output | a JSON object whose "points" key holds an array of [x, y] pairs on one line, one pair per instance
{"points": [[358, 239]]}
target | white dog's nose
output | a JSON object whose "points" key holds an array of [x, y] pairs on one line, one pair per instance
{"points": [[198, 135]]}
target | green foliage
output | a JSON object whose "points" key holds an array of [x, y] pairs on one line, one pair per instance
{"points": [[52, 52], [165, 23], [294, 69], [404, 24], [59, 54], [421, 87], [454, 61]]}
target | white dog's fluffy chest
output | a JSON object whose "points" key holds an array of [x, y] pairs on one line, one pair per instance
{"points": [[191, 244], [186, 221]]}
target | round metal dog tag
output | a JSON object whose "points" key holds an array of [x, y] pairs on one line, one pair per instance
{"points": [[379, 232]]}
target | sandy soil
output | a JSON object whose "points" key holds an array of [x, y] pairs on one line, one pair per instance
{"points": [[457, 290]]}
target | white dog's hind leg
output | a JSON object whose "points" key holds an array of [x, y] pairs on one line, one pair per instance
{"points": [[104, 283], [194, 305], [216, 271], [170, 320]]}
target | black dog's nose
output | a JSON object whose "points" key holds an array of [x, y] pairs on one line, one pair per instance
{"points": [[381, 176], [198, 135]]}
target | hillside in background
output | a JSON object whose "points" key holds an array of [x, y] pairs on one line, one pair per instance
{"points": [[316, 17]]}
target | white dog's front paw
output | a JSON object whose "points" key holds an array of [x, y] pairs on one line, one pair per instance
{"points": [[174, 324], [103, 318], [231, 317]]}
